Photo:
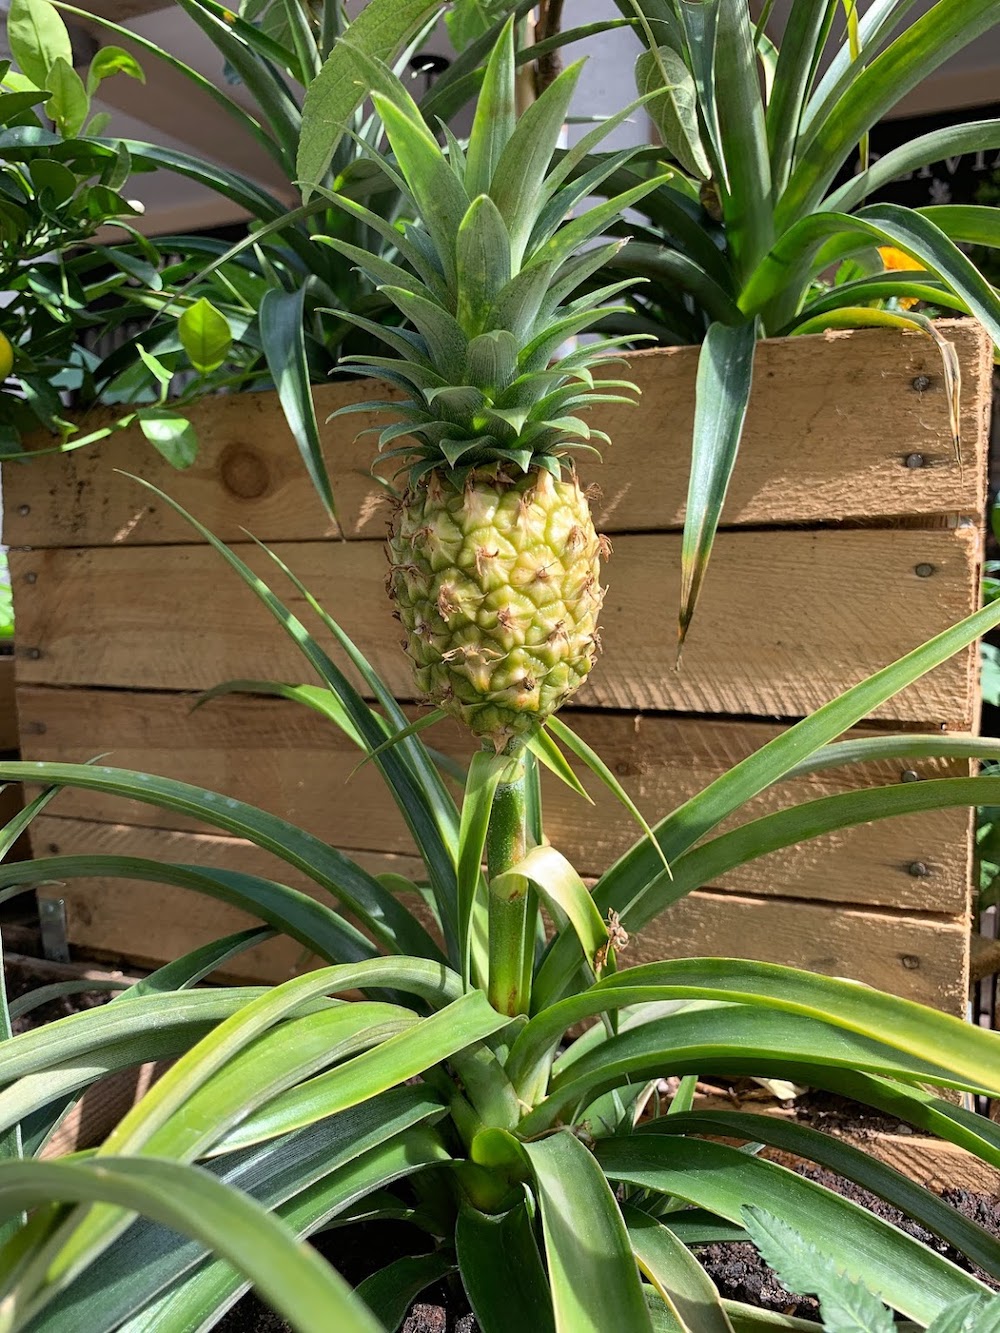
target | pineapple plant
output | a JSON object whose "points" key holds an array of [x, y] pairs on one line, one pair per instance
{"points": [[494, 562]]}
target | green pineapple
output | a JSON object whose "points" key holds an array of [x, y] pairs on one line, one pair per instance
{"points": [[494, 562]]}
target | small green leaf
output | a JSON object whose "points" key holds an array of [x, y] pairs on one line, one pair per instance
{"points": [[674, 110], [112, 60], [154, 365], [170, 434], [69, 103], [37, 37], [52, 176], [205, 335]]}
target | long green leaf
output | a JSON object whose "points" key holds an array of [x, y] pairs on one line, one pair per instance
{"points": [[722, 395], [972, 1055], [295, 1280], [283, 338], [208, 1293], [800, 43], [485, 772], [746, 193], [625, 883], [926, 44], [314, 925], [593, 1275], [415, 784], [952, 141], [327, 867], [339, 1157], [229, 35], [442, 1036], [166, 1121], [799, 823], [907, 1274], [853, 1163]]}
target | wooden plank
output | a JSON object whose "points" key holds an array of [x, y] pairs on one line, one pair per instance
{"points": [[831, 424], [787, 620], [284, 758], [920, 957], [8, 705]]}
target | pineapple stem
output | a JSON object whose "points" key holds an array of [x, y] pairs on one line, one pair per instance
{"points": [[511, 926]]}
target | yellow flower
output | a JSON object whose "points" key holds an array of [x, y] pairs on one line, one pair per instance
{"points": [[898, 261]]}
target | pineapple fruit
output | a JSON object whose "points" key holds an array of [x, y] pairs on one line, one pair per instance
{"points": [[495, 567]]}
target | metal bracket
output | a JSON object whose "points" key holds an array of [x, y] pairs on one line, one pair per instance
{"points": [[52, 926]]}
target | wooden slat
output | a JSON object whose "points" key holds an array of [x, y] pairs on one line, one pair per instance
{"points": [[284, 758], [919, 957], [8, 705], [830, 426], [787, 620]]}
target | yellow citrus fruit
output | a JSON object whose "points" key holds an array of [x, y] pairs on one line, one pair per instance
{"points": [[6, 357]]}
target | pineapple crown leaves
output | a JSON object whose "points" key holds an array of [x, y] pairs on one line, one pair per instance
{"points": [[488, 277]]}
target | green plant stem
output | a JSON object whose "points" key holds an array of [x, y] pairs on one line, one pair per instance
{"points": [[511, 922]]}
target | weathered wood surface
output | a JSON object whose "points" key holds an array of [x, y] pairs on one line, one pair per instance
{"points": [[8, 705], [284, 758], [787, 620], [831, 424], [918, 956]]}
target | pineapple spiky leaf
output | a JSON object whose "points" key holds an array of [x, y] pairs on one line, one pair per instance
{"points": [[494, 561]]}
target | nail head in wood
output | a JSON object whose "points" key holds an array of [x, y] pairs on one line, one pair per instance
{"points": [[921, 383], [914, 460], [923, 571]]}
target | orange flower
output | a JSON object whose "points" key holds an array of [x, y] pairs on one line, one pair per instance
{"points": [[898, 261]]}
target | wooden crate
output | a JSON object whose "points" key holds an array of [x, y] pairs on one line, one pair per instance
{"points": [[852, 535]]}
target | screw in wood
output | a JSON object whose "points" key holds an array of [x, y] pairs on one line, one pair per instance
{"points": [[909, 775], [24, 510], [914, 460], [921, 383], [31, 577], [919, 870], [923, 571], [910, 961]]}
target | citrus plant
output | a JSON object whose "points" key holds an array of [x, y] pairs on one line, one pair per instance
{"points": [[282, 300], [537, 1168]]}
